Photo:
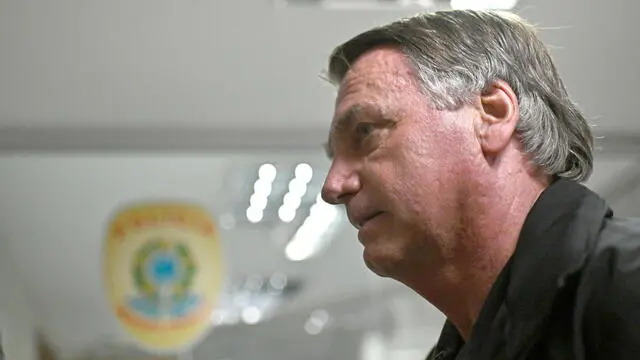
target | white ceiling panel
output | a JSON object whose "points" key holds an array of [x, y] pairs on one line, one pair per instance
{"points": [[236, 64]]}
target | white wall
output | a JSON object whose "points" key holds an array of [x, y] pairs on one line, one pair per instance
{"points": [[16, 317]]}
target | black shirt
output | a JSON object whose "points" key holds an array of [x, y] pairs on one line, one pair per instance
{"points": [[531, 306]]}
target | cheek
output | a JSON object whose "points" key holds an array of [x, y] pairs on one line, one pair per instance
{"points": [[416, 168], [427, 177], [438, 153], [425, 159]]}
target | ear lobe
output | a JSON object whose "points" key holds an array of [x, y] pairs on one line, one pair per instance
{"points": [[499, 114]]}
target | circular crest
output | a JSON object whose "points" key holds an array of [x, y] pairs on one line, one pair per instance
{"points": [[160, 264]]}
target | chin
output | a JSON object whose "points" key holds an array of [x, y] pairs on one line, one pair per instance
{"points": [[381, 263]]}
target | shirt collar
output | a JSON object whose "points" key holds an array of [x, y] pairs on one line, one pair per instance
{"points": [[556, 238]]}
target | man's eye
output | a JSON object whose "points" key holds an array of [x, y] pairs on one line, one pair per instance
{"points": [[364, 129]]}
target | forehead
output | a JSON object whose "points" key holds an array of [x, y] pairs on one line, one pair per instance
{"points": [[379, 83], [376, 76]]}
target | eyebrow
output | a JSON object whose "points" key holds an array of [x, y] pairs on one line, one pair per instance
{"points": [[344, 121]]}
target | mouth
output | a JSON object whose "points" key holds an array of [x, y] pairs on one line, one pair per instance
{"points": [[367, 219]]}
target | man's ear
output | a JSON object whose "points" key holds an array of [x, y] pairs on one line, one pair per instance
{"points": [[499, 115]]}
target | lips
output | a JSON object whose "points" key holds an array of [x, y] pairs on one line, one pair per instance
{"points": [[365, 219]]}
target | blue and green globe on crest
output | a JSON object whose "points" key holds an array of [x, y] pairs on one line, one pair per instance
{"points": [[163, 274]]}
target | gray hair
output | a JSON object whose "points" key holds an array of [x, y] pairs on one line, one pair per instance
{"points": [[459, 53]]}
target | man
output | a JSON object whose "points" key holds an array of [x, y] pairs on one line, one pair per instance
{"points": [[458, 155]]}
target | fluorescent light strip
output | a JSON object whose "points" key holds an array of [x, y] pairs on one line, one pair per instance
{"points": [[313, 234], [261, 190], [297, 189]]}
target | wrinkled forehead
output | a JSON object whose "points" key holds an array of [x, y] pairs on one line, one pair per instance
{"points": [[373, 86], [379, 69]]}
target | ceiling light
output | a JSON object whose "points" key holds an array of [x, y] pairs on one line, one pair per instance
{"points": [[293, 198], [304, 172], [297, 187], [323, 213], [262, 188], [286, 214], [267, 172], [278, 281], [254, 215], [258, 201], [314, 232], [297, 250], [373, 346], [316, 322], [227, 221], [224, 317], [291, 201], [251, 315]]}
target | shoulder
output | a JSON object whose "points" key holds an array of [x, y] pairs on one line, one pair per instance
{"points": [[432, 354], [618, 247], [610, 289], [618, 231], [614, 264]]}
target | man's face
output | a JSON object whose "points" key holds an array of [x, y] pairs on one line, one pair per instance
{"points": [[398, 165]]}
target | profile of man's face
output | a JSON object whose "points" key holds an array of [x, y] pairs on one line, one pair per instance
{"points": [[396, 162]]}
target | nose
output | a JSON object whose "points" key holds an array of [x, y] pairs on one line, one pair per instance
{"points": [[341, 183]]}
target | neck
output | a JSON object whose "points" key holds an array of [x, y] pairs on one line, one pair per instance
{"points": [[490, 226]]}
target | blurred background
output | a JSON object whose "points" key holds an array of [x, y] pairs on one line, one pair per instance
{"points": [[222, 102]]}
